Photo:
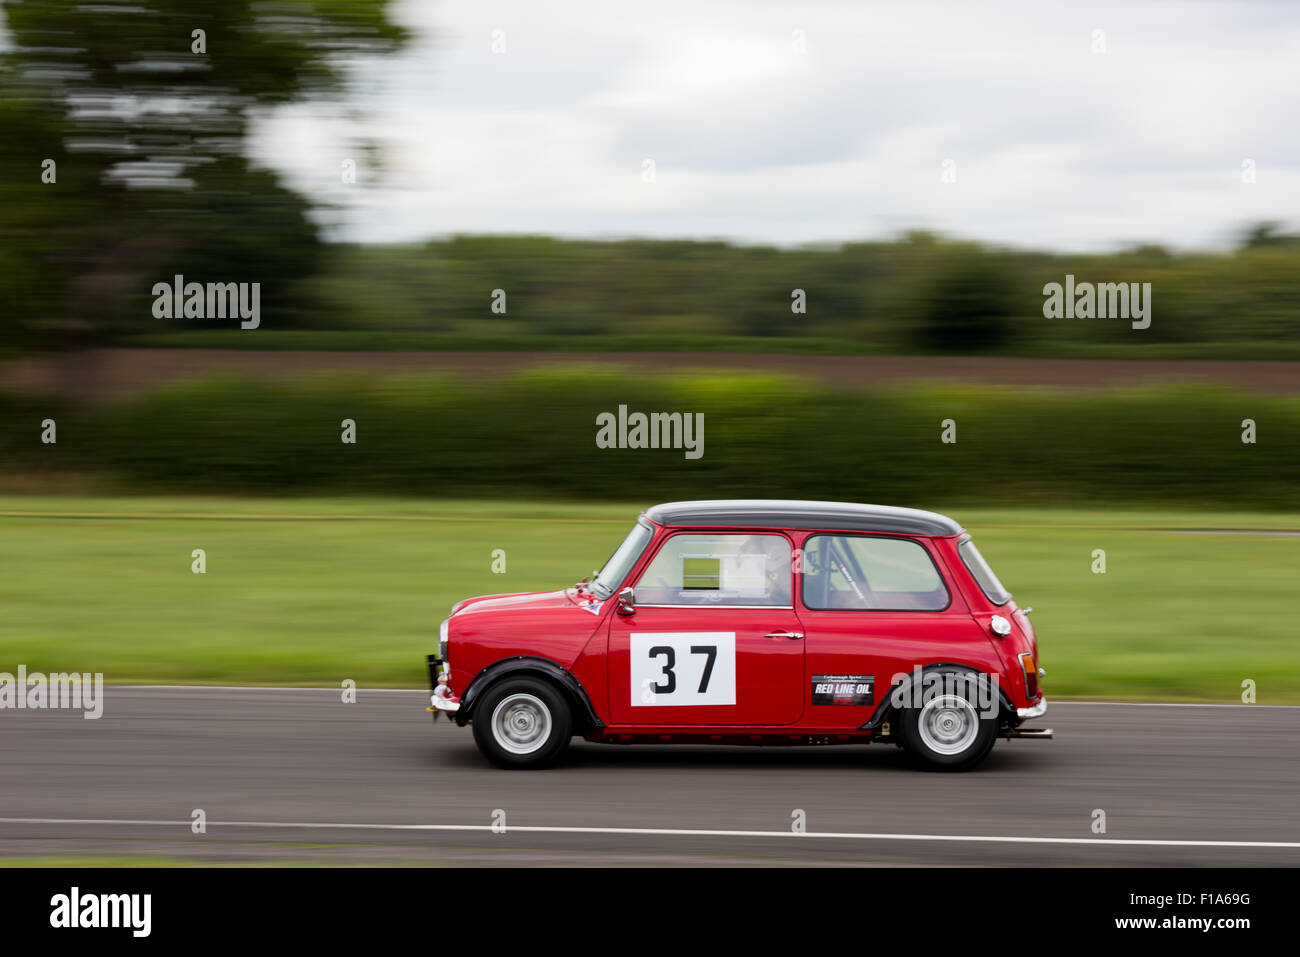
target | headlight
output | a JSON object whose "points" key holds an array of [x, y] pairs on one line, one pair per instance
{"points": [[442, 639]]}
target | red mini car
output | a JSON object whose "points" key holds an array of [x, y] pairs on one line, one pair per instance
{"points": [[753, 622]]}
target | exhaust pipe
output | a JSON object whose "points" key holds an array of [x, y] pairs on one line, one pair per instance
{"points": [[1044, 733]]}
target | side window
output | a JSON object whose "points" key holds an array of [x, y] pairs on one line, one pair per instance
{"points": [[863, 571], [718, 570]]}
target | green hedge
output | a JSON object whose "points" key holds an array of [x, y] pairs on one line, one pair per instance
{"points": [[763, 437]]}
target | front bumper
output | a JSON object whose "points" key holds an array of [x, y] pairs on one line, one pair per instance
{"points": [[437, 703], [1037, 711]]}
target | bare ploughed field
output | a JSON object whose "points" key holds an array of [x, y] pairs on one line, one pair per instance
{"points": [[112, 373]]}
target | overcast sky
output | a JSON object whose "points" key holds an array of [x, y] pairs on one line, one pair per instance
{"points": [[760, 133]]}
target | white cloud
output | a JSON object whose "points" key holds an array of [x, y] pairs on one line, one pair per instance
{"points": [[1053, 144]]}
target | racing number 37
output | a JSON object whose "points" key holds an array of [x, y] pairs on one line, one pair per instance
{"points": [[669, 684], [693, 668]]}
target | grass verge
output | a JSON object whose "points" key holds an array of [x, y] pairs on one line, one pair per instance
{"points": [[313, 591]]}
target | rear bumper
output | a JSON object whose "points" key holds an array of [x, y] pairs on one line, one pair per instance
{"points": [[1024, 714], [1036, 711]]}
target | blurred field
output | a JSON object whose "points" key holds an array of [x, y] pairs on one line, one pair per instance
{"points": [[310, 592], [114, 373], [507, 338]]}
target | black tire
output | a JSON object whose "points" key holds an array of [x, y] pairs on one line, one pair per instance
{"points": [[951, 730], [522, 723]]}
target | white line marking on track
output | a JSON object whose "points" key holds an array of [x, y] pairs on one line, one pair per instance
{"points": [[1174, 704], [665, 832]]}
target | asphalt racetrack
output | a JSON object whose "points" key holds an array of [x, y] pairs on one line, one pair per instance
{"points": [[287, 775]]}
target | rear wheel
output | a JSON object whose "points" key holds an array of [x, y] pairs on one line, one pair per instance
{"points": [[522, 723], [953, 728]]}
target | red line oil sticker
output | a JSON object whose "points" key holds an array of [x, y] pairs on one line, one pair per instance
{"points": [[843, 689]]}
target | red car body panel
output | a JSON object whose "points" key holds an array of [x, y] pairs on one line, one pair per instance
{"points": [[770, 694], [550, 625]]}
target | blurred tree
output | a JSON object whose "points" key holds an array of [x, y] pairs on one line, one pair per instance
{"points": [[968, 305], [1266, 234], [124, 155], [891, 296]]}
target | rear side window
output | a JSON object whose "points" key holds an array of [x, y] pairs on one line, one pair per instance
{"points": [[718, 570], [867, 572], [982, 574]]}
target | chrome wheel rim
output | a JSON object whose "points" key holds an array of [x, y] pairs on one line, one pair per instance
{"points": [[948, 724], [521, 723]]}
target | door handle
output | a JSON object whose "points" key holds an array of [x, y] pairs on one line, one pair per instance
{"points": [[784, 634]]}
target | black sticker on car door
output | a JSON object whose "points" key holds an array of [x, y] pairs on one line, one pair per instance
{"points": [[843, 689]]}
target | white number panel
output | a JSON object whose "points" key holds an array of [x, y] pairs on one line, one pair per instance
{"points": [[683, 668]]}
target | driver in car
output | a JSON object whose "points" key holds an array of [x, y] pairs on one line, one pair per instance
{"points": [[774, 554]]}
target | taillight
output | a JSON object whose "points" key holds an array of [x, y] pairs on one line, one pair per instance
{"points": [[1030, 669]]}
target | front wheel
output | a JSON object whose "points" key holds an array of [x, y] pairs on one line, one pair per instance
{"points": [[949, 731], [522, 723]]}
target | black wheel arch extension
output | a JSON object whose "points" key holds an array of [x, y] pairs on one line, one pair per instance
{"points": [[584, 715], [885, 707]]}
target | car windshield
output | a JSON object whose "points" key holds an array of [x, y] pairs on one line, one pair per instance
{"points": [[621, 562], [988, 581]]}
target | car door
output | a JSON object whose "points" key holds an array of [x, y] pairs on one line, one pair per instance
{"points": [[714, 639]]}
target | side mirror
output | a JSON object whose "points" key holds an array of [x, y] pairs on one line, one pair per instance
{"points": [[627, 601]]}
